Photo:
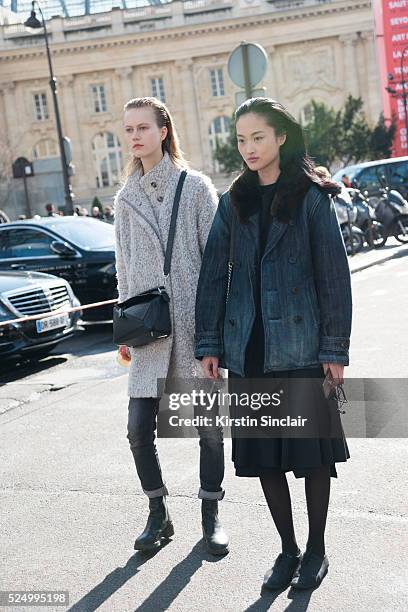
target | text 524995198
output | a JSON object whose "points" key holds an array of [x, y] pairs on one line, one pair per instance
{"points": [[34, 598]]}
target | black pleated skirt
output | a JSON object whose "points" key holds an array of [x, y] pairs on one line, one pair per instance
{"points": [[254, 456]]}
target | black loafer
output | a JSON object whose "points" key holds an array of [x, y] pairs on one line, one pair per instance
{"points": [[311, 572], [282, 572]]}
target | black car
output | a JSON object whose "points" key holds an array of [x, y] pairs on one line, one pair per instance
{"points": [[77, 249], [32, 293]]}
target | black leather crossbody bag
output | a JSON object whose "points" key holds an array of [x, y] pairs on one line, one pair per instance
{"points": [[145, 318]]}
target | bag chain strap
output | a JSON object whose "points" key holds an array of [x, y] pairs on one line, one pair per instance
{"points": [[231, 257]]}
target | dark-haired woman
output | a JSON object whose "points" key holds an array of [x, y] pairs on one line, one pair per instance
{"points": [[287, 316], [143, 209]]}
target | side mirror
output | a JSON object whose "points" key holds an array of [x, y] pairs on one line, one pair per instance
{"points": [[62, 248], [382, 180]]}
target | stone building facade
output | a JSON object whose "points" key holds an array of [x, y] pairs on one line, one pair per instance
{"points": [[317, 49]]}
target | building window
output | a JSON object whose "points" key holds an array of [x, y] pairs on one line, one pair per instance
{"points": [[217, 82], [107, 156], [157, 85], [41, 106], [44, 149], [218, 131], [99, 98], [306, 114]]}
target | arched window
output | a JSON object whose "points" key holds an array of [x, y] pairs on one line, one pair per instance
{"points": [[218, 131], [45, 148], [107, 156], [306, 114]]}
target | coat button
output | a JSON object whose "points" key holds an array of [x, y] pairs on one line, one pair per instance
{"points": [[297, 319], [292, 260], [232, 322], [160, 198], [153, 184], [295, 290]]}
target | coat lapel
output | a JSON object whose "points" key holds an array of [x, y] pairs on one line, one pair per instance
{"points": [[142, 193], [276, 230]]}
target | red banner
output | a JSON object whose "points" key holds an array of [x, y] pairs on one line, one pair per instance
{"points": [[392, 43]]}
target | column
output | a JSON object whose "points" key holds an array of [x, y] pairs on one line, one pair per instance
{"points": [[272, 89], [11, 117], [189, 107], [125, 77], [350, 71], [372, 77], [71, 129]]}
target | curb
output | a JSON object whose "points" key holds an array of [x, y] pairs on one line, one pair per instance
{"points": [[400, 253]]}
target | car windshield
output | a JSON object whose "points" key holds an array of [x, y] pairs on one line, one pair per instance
{"points": [[350, 172], [86, 233]]}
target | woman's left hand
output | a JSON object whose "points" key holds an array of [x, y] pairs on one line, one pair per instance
{"points": [[337, 372]]}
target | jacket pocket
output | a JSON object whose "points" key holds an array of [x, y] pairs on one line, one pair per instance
{"points": [[313, 303], [273, 307]]}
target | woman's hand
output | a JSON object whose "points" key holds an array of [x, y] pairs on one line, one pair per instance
{"points": [[337, 372], [210, 367], [124, 352]]}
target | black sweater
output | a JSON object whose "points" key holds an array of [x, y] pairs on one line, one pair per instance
{"points": [[254, 356]]}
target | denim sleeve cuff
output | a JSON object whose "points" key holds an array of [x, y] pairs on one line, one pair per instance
{"points": [[334, 344], [334, 349], [208, 345], [334, 358]]}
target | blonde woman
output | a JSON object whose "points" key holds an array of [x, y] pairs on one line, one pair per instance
{"points": [[143, 209]]}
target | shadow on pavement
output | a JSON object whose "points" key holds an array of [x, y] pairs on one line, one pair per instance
{"points": [[112, 582], [300, 601], [168, 590], [92, 341], [12, 370]]}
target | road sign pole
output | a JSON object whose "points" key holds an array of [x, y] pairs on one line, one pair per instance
{"points": [[27, 197], [245, 64]]}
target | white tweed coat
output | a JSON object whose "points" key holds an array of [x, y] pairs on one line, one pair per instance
{"points": [[142, 218]]}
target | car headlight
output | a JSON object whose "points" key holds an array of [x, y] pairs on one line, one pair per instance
{"points": [[109, 269], [4, 313]]}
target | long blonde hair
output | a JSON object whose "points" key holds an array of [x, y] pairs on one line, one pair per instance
{"points": [[171, 143]]}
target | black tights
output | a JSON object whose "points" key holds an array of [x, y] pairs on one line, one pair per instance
{"points": [[317, 489]]}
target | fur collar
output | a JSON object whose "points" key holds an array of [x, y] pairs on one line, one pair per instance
{"points": [[246, 200]]}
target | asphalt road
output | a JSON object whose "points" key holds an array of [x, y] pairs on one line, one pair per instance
{"points": [[72, 505]]}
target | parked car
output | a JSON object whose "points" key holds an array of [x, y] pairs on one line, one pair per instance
{"points": [[367, 176], [32, 293], [77, 249]]}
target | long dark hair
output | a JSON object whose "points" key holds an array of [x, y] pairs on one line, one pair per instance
{"points": [[297, 168], [171, 143]]}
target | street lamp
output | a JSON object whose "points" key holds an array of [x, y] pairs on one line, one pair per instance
{"points": [[404, 87], [33, 23]]}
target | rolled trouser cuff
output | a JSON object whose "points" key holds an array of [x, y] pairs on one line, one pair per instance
{"points": [[157, 492], [202, 494]]}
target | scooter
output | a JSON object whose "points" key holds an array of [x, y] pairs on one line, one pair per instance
{"points": [[374, 231], [392, 211], [347, 214]]}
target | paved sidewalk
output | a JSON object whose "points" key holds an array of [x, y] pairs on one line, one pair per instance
{"points": [[371, 257], [72, 506]]}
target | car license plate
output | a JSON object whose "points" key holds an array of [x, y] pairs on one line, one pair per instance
{"points": [[45, 325]]}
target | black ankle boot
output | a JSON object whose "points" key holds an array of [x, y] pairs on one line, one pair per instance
{"points": [[158, 526], [213, 532], [311, 572], [283, 570]]}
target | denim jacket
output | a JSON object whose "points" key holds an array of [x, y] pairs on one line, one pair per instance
{"points": [[305, 289]]}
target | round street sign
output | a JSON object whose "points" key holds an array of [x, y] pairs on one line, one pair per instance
{"points": [[257, 64]]}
